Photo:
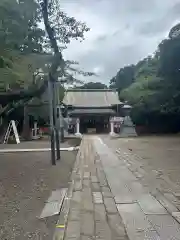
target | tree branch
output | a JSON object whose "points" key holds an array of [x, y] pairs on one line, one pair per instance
{"points": [[58, 58], [13, 98]]}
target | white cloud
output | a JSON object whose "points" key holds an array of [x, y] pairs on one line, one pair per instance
{"points": [[98, 70], [122, 32]]}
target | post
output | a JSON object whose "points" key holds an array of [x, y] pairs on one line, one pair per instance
{"points": [[61, 119], [53, 160], [26, 127], [60, 115], [112, 133], [77, 126], [62, 134], [35, 129], [55, 121], [61, 125], [78, 134]]}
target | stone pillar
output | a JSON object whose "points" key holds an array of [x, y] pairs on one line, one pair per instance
{"points": [[35, 131], [112, 133], [78, 134]]}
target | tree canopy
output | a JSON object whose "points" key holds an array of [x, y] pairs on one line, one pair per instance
{"points": [[93, 85], [123, 78], [28, 54], [20, 40], [152, 86]]}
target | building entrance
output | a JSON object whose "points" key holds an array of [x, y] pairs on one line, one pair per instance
{"points": [[93, 124]]}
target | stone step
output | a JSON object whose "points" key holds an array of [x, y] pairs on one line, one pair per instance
{"points": [[54, 203]]}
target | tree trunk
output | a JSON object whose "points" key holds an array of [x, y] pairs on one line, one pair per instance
{"points": [[26, 133], [3, 129]]}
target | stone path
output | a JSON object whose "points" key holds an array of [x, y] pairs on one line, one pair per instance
{"points": [[106, 201], [153, 178]]}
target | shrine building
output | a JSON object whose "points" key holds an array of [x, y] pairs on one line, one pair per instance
{"points": [[94, 108]]}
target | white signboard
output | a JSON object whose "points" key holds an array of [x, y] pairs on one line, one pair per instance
{"points": [[117, 119]]}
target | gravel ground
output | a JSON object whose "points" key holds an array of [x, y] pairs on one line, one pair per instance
{"points": [[26, 181], [161, 153]]}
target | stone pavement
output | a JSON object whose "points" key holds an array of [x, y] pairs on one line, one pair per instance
{"points": [[106, 201]]}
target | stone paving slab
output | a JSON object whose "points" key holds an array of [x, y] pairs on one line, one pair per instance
{"points": [[136, 205], [166, 226], [150, 205], [154, 180], [160, 186], [92, 212], [164, 202], [106, 201], [138, 226]]}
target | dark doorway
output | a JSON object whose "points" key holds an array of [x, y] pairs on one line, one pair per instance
{"points": [[94, 124]]}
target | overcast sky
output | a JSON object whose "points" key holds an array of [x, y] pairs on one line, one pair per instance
{"points": [[122, 32]]}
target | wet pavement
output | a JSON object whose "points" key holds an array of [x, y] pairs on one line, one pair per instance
{"points": [[107, 200]]}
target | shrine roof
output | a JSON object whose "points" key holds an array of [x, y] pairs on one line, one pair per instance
{"points": [[91, 97]]}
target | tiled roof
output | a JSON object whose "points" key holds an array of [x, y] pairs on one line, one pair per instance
{"points": [[91, 98]]}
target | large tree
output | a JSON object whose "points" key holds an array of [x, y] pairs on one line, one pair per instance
{"points": [[155, 92], [21, 43], [31, 56], [19, 36], [123, 78], [18, 51]]}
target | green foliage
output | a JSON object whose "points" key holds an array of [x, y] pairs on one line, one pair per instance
{"points": [[175, 31], [155, 91], [24, 71], [29, 56], [70, 72], [19, 26], [20, 37], [169, 59], [24, 46], [123, 78], [65, 28], [93, 85]]}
